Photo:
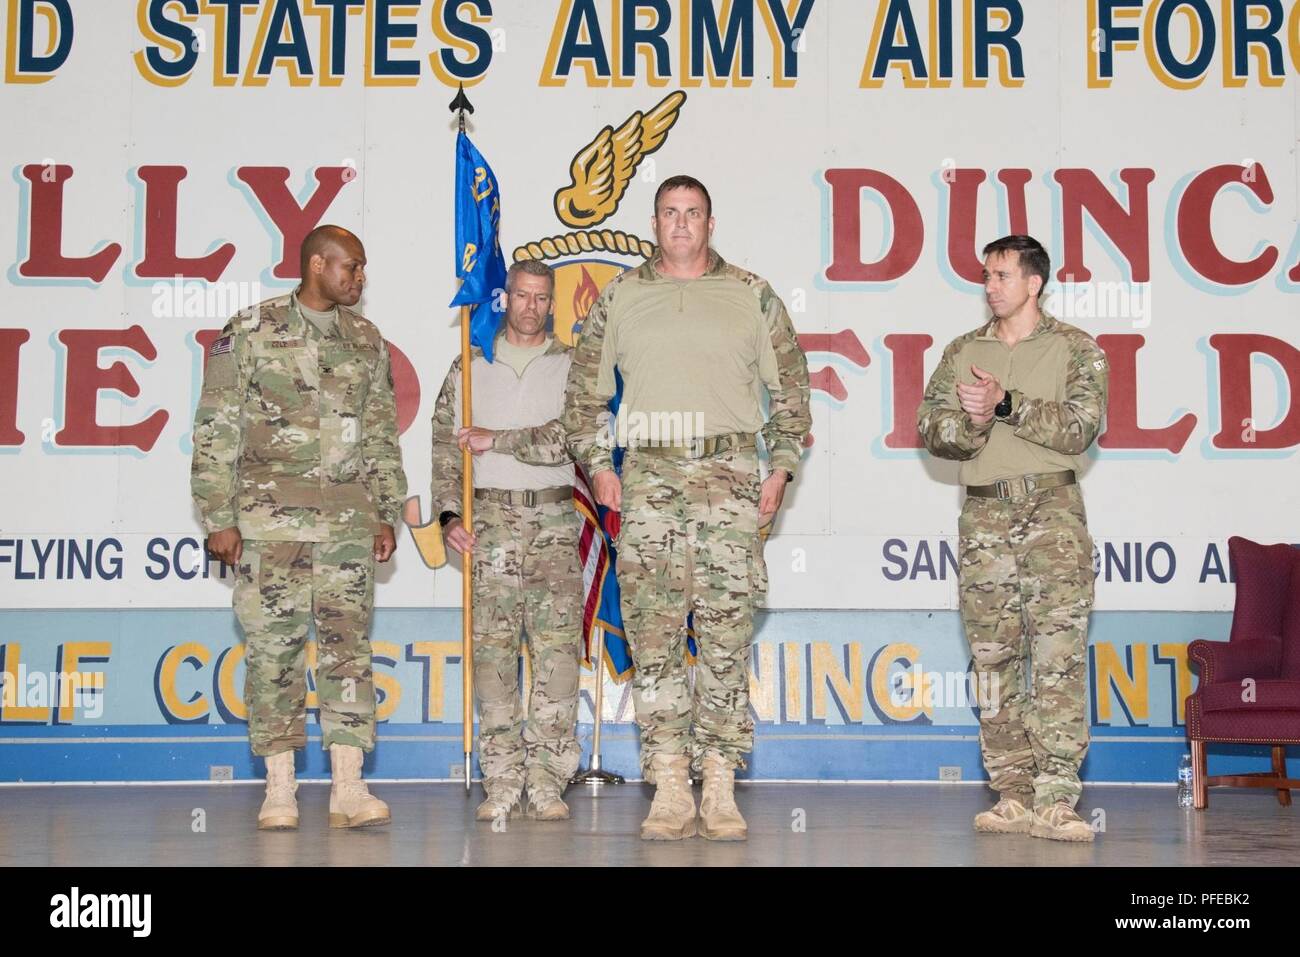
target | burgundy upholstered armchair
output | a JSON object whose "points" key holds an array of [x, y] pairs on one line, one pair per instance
{"points": [[1249, 692]]}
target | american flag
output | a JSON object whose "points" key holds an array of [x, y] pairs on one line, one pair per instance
{"points": [[600, 598]]}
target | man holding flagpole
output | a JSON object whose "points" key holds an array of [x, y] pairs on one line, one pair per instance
{"points": [[523, 549], [521, 557], [694, 340]]}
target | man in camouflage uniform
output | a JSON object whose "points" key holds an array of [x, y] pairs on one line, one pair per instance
{"points": [[1017, 402], [694, 339], [524, 549], [298, 476]]}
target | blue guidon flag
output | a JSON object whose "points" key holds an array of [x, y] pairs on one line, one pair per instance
{"points": [[479, 263]]}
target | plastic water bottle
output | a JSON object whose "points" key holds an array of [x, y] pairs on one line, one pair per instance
{"points": [[1185, 781]]}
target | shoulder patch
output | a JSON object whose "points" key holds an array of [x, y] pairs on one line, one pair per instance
{"points": [[221, 346], [1099, 365]]}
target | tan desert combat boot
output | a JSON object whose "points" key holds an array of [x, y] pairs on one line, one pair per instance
{"points": [[502, 800], [351, 803], [280, 809], [545, 803], [1008, 816], [672, 815], [720, 819], [1059, 823]]}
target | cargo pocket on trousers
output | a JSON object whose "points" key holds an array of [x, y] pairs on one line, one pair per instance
{"points": [[1087, 569], [1073, 572], [757, 573], [248, 591]]}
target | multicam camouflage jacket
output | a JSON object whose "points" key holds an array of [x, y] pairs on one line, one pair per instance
{"points": [[295, 436], [749, 305], [1058, 380]]}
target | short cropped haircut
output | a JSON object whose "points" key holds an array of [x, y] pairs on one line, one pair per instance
{"points": [[684, 182], [1034, 260], [532, 267]]}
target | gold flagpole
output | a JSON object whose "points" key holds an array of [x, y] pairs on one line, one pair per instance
{"points": [[459, 106], [467, 563]]}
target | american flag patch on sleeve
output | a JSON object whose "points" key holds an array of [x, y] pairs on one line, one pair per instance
{"points": [[221, 346]]}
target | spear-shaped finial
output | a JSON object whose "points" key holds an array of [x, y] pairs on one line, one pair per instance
{"points": [[460, 106]]}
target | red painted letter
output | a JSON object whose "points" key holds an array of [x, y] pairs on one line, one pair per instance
{"points": [[1195, 237], [1126, 228], [846, 227], [907, 360], [269, 185], [162, 183], [1238, 429], [11, 340], [963, 217], [406, 387], [963, 209], [1122, 429], [84, 377], [45, 259]]}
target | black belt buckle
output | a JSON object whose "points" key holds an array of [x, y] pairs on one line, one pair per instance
{"points": [[530, 498], [1003, 488]]}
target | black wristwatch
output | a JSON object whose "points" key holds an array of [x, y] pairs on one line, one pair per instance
{"points": [[1003, 408], [446, 518]]}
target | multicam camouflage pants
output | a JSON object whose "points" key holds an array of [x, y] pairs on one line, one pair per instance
{"points": [[282, 588], [526, 576], [1026, 584], [689, 542]]}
